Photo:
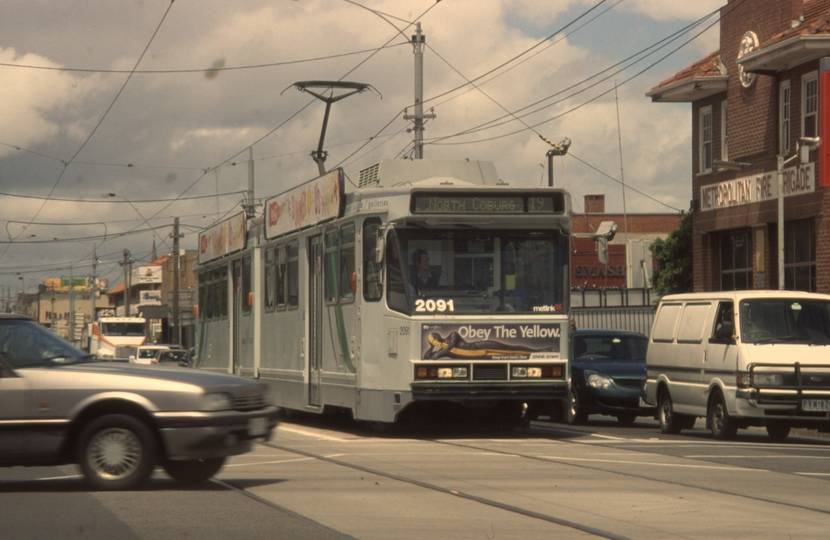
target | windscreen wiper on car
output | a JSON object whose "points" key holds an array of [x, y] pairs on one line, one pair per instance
{"points": [[820, 342]]}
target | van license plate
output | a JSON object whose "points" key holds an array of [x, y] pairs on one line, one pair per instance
{"points": [[257, 427], [815, 405]]}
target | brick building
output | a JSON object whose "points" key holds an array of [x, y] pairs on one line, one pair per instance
{"points": [[763, 94], [629, 255]]}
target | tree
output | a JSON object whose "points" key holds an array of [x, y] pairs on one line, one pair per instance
{"points": [[674, 260]]}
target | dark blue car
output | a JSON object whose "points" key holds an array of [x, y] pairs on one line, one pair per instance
{"points": [[608, 368]]}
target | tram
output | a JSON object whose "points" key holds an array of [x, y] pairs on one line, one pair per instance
{"points": [[425, 287]]}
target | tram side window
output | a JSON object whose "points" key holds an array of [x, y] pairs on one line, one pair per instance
{"points": [[203, 288], [372, 270], [246, 285], [348, 278], [222, 293], [214, 294], [280, 277], [270, 279], [396, 284], [293, 278], [330, 274]]}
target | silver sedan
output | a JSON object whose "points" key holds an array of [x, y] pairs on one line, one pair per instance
{"points": [[118, 421]]}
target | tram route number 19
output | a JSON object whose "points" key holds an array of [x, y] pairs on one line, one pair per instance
{"points": [[434, 305]]}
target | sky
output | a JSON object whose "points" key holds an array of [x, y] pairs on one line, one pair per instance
{"points": [[118, 117]]}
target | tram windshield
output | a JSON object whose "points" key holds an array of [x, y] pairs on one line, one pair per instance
{"points": [[474, 271]]}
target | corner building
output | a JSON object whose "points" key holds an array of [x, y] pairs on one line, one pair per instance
{"points": [[765, 90]]}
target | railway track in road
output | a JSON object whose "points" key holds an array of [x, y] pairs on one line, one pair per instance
{"points": [[638, 470], [594, 531]]}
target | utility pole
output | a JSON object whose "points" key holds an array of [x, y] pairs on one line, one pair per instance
{"points": [[94, 280], [176, 315], [127, 264], [71, 306], [418, 43]]}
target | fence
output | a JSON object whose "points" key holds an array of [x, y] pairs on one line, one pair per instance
{"points": [[614, 309]]}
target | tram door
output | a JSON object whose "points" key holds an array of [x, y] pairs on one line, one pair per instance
{"points": [[236, 315], [315, 318]]}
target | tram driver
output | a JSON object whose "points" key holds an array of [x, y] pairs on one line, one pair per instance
{"points": [[423, 277]]}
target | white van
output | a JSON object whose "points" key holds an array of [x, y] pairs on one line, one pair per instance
{"points": [[740, 359]]}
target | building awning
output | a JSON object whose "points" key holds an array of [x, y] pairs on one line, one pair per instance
{"points": [[153, 312]]}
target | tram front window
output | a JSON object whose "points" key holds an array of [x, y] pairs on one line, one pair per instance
{"points": [[470, 271]]}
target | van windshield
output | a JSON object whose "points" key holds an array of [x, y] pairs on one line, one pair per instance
{"points": [[785, 320]]}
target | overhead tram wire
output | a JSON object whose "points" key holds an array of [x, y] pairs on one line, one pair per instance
{"points": [[195, 70], [501, 119], [505, 119], [469, 82], [524, 60], [110, 201], [101, 120], [438, 140]]}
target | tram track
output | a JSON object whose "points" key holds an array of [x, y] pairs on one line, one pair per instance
{"points": [[594, 531], [635, 475], [552, 518]]}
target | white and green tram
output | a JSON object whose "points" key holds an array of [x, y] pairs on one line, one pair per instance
{"points": [[432, 286]]}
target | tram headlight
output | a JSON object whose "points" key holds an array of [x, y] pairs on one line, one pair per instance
{"points": [[522, 372], [441, 372]]}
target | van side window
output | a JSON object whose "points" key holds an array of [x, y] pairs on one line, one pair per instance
{"points": [[725, 315], [666, 322], [692, 323]]}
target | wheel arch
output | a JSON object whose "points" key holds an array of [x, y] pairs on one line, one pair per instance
{"points": [[106, 407]]}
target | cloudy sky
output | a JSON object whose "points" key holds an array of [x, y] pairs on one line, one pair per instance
{"points": [[159, 102]]}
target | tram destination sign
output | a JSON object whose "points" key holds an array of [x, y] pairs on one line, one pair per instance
{"points": [[502, 203]]}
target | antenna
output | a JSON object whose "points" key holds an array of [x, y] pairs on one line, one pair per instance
{"points": [[319, 155]]}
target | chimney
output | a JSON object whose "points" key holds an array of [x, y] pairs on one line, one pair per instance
{"points": [[594, 204]]}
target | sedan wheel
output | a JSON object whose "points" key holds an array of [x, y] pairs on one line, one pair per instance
{"points": [[195, 470], [117, 452], [627, 419], [575, 414]]}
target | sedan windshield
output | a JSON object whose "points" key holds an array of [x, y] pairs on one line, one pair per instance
{"points": [[473, 271], [785, 320], [26, 343]]}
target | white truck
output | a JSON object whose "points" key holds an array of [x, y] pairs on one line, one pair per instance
{"points": [[117, 338]]}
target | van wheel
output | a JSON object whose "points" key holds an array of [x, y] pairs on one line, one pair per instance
{"points": [[669, 422], [721, 425], [777, 431]]}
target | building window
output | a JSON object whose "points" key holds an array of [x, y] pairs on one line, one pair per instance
{"points": [[809, 105], [800, 256], [706, 139], [736, 261], [784, 118], [724, 140]]}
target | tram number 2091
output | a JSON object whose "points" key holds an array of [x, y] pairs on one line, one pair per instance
{"points": [[434, 305]]}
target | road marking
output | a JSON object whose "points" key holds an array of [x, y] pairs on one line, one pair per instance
{"points": [[813, 473], [274, 462], [654, 464]]}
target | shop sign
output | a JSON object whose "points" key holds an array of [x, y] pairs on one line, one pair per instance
{"points": [[757, 188]]}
